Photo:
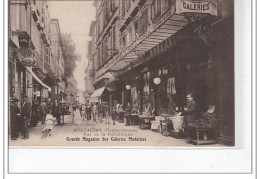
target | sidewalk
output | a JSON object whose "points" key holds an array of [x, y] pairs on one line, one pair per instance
{"points": [[97, 134]]}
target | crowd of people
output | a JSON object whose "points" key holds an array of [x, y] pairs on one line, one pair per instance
{"points": [[94, 111], [31, 114]]}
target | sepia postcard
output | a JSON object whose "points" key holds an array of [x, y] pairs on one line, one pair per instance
{"points": [[121, 73]]}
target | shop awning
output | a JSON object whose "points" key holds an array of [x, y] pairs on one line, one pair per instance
{"points": [[107, 75], [37, 79], [111, 86], [98, 92]]}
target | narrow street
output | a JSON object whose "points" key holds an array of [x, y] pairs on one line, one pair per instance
{"points": [[89, 133]]}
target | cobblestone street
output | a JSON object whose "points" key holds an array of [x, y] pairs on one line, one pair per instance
{"points": [[89, 133]]}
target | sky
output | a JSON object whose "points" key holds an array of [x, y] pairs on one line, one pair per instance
{"points": [[75, 18]]}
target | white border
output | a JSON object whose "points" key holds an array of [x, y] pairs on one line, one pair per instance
{"points": [[159, 160]]}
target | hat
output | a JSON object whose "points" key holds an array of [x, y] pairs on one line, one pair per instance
{"points": [[16, 100]]}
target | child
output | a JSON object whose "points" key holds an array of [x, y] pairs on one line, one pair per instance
{"points": [[49, 123]]}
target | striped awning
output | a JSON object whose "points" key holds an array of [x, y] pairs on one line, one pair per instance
{"points": [[37, 79], [98, 92]]}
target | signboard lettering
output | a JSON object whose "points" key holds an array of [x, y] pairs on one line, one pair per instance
{"points": [[203, 6]]}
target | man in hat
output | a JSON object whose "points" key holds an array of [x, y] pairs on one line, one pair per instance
{"points": [[26, 116], [14, 118]]}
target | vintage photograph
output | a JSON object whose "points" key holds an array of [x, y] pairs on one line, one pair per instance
{"points": [[121, 73]]}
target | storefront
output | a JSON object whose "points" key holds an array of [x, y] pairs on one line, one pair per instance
{"points": [[191, 61]]}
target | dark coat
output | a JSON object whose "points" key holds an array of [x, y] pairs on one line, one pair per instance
{"points": [[56, 110], [128, 111], [191, 112], [26, 110], [88, 110], [43, 108], [14, 111]]}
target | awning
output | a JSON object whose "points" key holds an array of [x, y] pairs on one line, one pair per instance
{"points": [[111, 86], [37, 79], [98, 92], [107, 75]]}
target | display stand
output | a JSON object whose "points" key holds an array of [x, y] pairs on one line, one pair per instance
{"points": [[166, 127], [145, 121], [202, 135]]}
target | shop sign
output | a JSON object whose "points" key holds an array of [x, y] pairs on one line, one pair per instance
{"points": [[168, 43], [195, 6]]}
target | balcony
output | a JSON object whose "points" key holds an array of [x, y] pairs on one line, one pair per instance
{"points": [[44, 38], [163, 27], [108, 25], [35, 13]]}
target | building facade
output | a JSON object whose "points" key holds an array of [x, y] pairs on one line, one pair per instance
{"points": [[57, 65], [163, 51], [32, 62]]}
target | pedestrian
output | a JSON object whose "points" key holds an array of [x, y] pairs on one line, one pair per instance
{"points": [[88, 112], [95, 112], [128, 113], [98, 111], [56, 111], [26, 117], [49, 125], [114, 115], [83, 112], [121, 113], [148, 109], [14, 118], [43, 111], [74, 108], [102, 112], [106, 113], [80, 110], [117, 110]]}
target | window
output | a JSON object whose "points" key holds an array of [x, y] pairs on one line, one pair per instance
{"points": [[156, 8], [143, 22], [124, 41], [137, 30], [123, 8], [129, 36], [113, 5], [114, 39], [109, 44]]}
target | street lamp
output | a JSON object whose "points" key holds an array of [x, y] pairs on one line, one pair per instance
{"points": [[157, 80], [128, 87]]}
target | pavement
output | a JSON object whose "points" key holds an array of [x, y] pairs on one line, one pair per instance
{"points": [[99, 134]]}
